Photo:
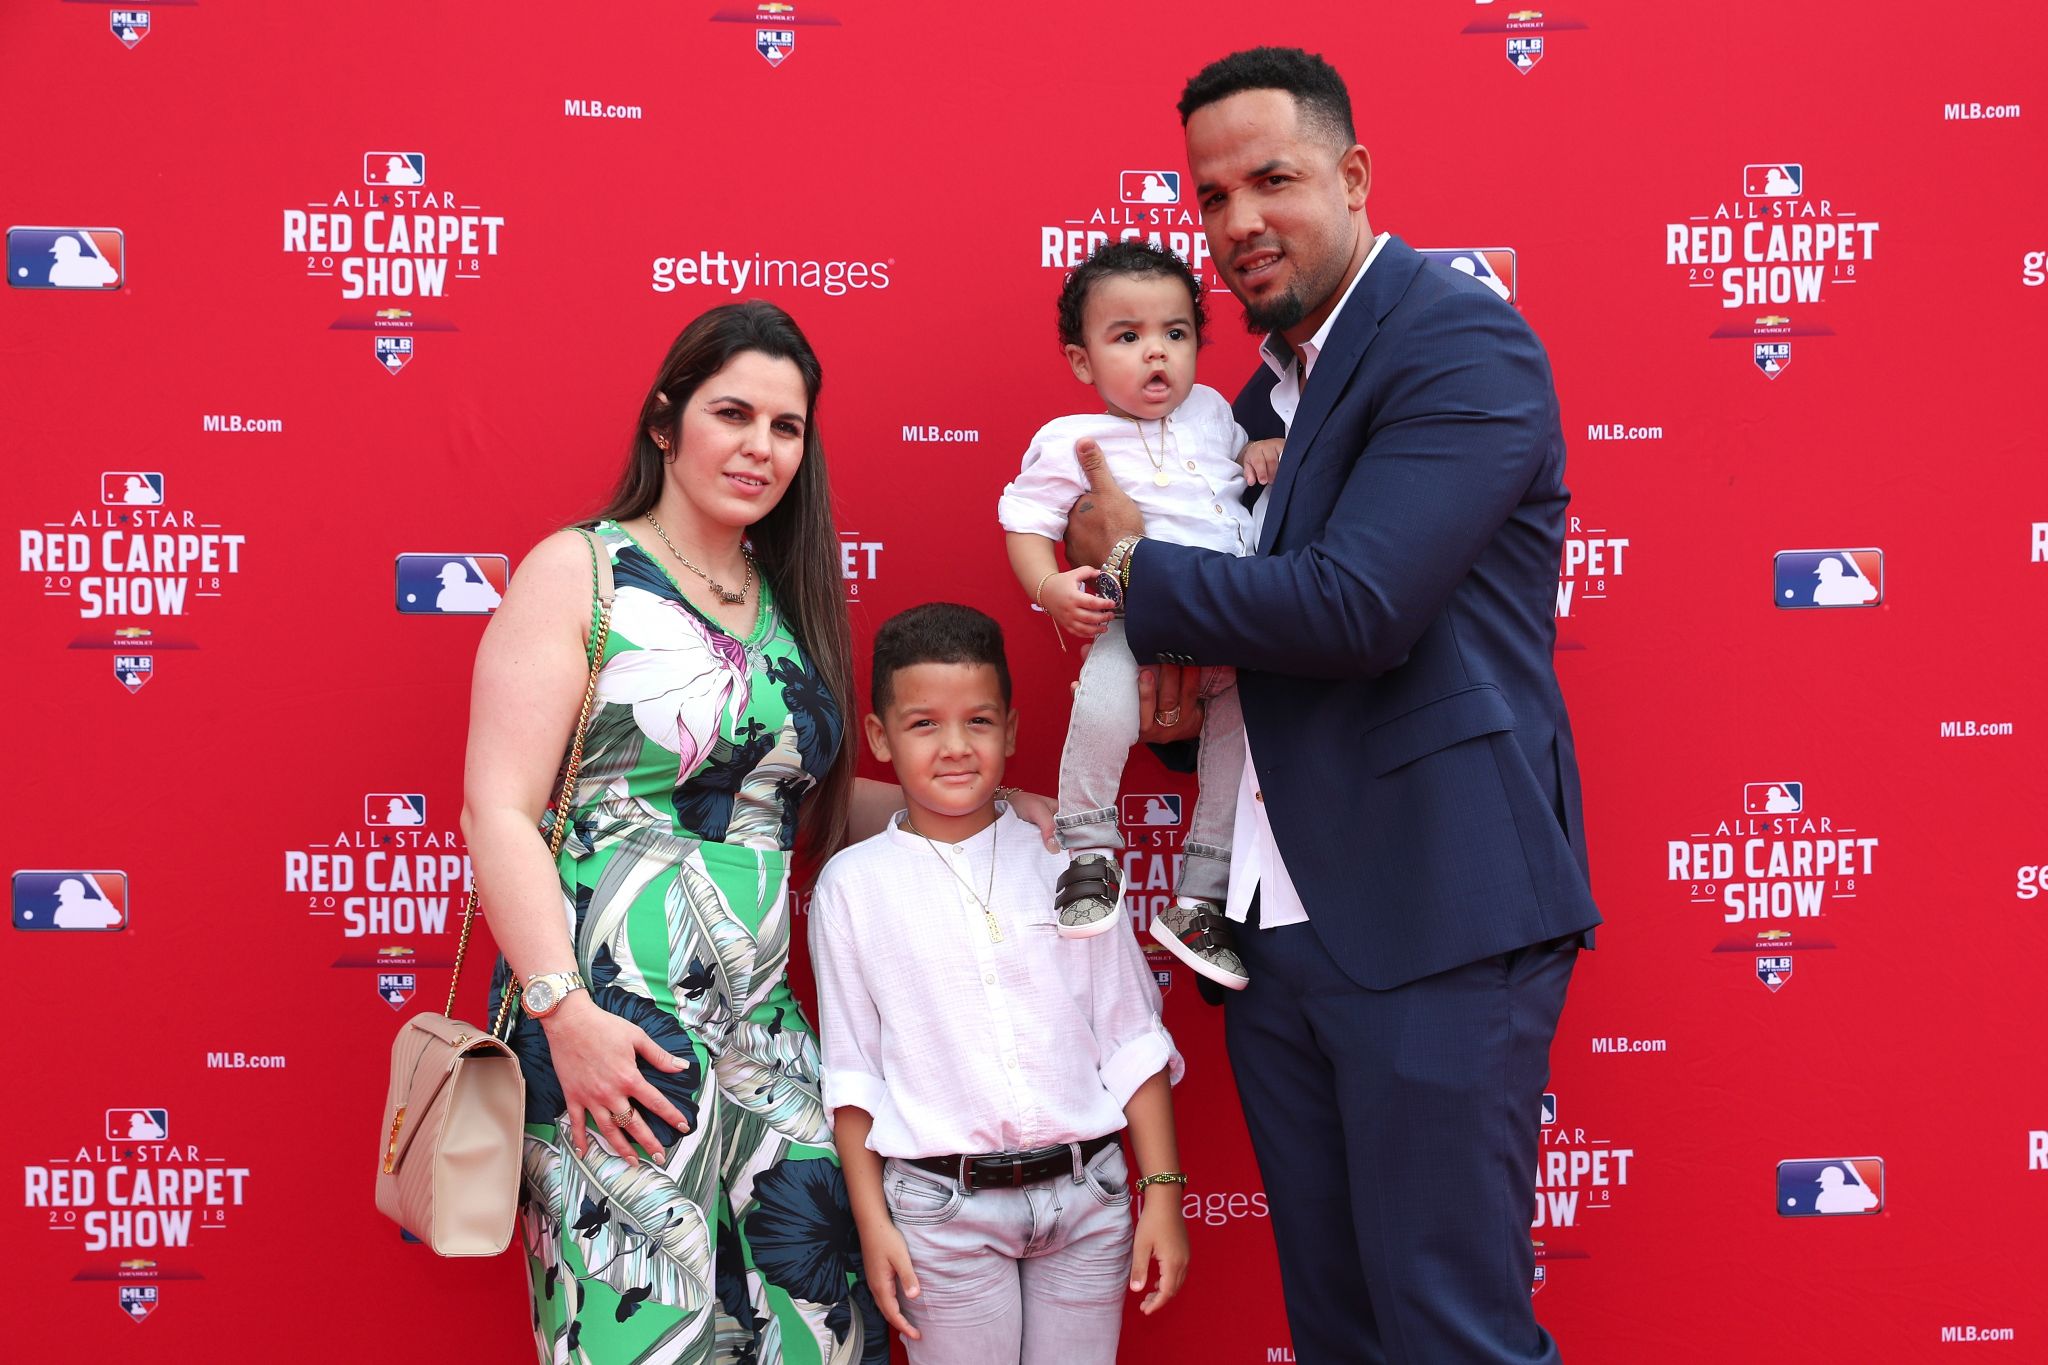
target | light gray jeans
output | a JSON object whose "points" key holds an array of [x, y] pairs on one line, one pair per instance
{"points": [[1099, 739], [1035, 1275]]}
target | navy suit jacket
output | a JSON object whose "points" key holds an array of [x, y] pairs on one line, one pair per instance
{"points": [[1394, 634]]}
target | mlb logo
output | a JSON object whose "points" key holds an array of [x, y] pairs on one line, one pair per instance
{"points": [[1835, 1185], [1536, 1282], [1149, 187], [138, 1125], [66, 258], [451, 584], [1151, 809], [774, 44], [397, 987], [395, 808], [131, 488], [138, 1301], [1828, 578], [393, 353], [1549, 1108], [1772, 357], [1161, 962], [1786, 180], [1492, 266], [133, 670], [394, 168], [1773, 798], [71, 900], [1524, 53], [131, 26], [1774, 972]]}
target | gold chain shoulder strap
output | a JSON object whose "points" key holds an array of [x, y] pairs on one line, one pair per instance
{"points": [[600, 634]]}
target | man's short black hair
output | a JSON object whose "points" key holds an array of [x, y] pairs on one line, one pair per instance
{"points": [[1319, 93], [1135, 258], [935, 633]]}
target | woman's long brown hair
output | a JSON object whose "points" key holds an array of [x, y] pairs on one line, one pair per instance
{"points": [[796, 545]]}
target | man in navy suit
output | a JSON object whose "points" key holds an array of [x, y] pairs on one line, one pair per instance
{"points": [[1408, 846]]}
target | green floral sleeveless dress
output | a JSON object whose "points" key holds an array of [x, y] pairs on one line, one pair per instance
{"points": [[675, 882]]}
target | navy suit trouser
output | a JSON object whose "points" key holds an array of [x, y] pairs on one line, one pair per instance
{"points": [[1396, 1133]]}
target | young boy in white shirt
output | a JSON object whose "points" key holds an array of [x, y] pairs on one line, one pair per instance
{"points": [[1131, 319], [980, 1067]]}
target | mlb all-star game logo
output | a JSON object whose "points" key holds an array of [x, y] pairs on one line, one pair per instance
{"points": [[1526, 32], [859, 563], [383, 892], [1776, 869], [393, 237], [774, 25], [1581, 1172], [130, 552], [1773, 248], [1149, 203], [1595, 558], [1154, 827], [135, 1185]]}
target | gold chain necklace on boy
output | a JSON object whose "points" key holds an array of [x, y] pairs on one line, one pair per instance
{"points": [[1159, 474], [995, 930], [725, 594]]}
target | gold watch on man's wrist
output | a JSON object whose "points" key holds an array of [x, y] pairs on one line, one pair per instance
{"points": [[1114, 581]]}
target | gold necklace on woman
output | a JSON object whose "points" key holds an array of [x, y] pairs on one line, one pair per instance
{"points": [[984, 902], [725, 594], [1159, 474]]}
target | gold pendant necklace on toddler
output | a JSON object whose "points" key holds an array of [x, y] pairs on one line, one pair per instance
{"points": [[1159, 474]]}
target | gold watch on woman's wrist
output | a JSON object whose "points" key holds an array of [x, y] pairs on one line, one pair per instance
{"points": [[542, 993]]}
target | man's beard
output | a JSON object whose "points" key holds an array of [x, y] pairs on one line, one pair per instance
{"points": [[1276, 314], [1302, 296]]}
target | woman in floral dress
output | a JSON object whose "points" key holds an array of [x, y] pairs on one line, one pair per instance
{"points": [[682, 1201]]}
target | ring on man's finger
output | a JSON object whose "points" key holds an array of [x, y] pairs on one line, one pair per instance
{"points": [[1167, 717]]}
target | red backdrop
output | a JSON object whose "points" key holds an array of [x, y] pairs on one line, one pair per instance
{"points": [[217, 461]]}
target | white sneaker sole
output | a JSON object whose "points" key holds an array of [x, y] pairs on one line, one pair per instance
{"points": [[1194, 960], [1101, 926]]}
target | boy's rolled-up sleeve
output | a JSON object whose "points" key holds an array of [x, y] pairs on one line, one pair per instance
{"points": [[1132, 1038]]}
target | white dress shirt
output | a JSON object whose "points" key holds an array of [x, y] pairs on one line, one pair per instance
{"points": [[1195, 446], [957, 1041], [1255, 863]]}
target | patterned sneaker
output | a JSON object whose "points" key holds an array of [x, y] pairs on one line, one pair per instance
{"points": [[1090, 894], [1203, 939]]}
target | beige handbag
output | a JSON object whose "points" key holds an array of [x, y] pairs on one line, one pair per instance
{"points": [[454, 1119]]}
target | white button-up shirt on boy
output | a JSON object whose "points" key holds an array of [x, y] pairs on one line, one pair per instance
{"points": [[962, 1039]]}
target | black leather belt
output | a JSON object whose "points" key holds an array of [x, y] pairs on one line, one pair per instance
{"points": [[1008, 1170]]}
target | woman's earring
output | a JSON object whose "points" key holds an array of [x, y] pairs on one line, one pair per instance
{"points": [[668, 456]]}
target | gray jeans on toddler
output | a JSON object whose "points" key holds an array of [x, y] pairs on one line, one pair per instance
{"points": [[1099, 739]]}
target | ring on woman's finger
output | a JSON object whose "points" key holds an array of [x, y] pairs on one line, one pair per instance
{"points": [[623, 1118], [1167, 717]]}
